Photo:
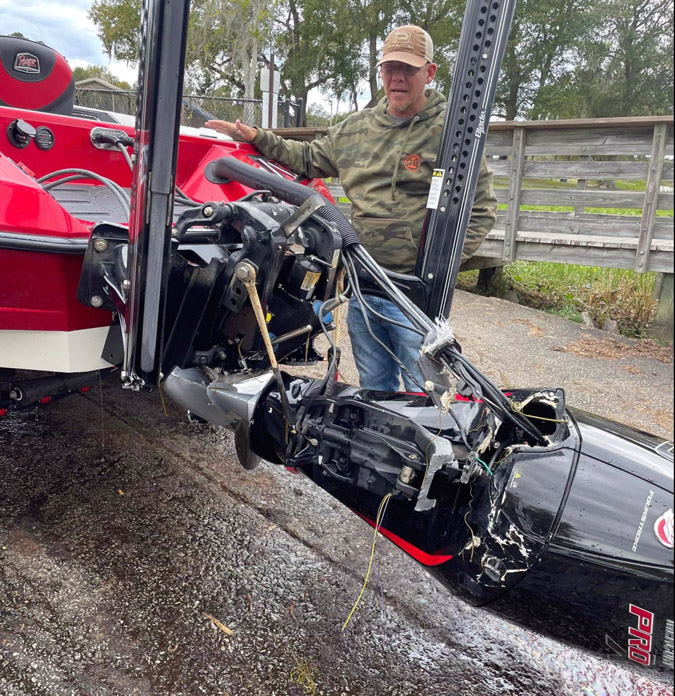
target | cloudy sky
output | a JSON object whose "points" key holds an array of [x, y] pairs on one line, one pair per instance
{"points": [[65, 27]]}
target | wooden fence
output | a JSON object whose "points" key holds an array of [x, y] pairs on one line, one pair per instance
{"points": [[594, 171]]}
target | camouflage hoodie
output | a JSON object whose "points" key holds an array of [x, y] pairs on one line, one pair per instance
{"points": [[385, 169]]}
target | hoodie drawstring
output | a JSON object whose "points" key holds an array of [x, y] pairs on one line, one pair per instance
{"points": [[413, 121]]}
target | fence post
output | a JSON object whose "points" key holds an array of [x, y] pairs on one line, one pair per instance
{"points": [[582, 184], [515, 184], [662, 326], [651, 198]]}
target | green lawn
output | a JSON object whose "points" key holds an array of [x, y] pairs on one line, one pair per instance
{"points": [[568, 290]]}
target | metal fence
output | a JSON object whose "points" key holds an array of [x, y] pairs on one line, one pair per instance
{"points": [[196, 109]]}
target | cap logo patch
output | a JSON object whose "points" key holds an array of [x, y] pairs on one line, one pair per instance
{"points": [[402, 37], [663, 528]]}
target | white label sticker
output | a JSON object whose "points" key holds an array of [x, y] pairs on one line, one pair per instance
{"points": [[435, 188]]}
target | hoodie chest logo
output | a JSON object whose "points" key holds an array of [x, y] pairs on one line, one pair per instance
{"points": [[412, 162]]}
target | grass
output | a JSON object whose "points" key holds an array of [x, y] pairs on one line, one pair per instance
{"points": [[568, 290]]}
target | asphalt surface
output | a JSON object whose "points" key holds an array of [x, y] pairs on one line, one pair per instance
{"points": [[137, 556]]}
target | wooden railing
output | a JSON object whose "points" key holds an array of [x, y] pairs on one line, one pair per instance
{"points": [[574, 164], [585, 169], [538, 153]]}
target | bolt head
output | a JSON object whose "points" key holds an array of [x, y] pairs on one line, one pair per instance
{"points": [[96, 301], [126, 284], [208, 211], [100, 244], [243, 272]]}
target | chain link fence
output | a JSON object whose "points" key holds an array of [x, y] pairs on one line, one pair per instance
{"points": [[195, 110]]}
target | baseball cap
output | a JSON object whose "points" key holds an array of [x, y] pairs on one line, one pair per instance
{"points": [[408, 44]]}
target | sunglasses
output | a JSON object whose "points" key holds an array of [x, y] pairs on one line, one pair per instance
{"points": [[389, 69]]}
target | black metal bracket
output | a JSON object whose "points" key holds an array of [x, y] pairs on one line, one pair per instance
{"points": [[485, 31]]}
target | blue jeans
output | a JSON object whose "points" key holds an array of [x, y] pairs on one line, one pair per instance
{"points": [[377, 369]]}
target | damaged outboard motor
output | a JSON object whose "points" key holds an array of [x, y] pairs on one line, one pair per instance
{"points": [[512, 500]]}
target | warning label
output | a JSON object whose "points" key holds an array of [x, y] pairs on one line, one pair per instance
{"points": [[435, 188]]}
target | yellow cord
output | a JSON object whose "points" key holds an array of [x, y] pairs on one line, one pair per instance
{"points": [[473, 536], [339, 287], [161, 396], [378, 520], [550, 420]]}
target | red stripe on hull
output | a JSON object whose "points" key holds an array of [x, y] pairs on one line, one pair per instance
{"points": [[427, 559]]}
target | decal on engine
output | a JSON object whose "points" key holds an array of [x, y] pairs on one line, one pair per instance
{"points": [[513, 483], [663, 528], [643, 518], [668, 644], [640, 638]]}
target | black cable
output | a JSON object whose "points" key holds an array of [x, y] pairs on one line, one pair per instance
{"points": [[389, 320], [414, 314], [355, 284], [76, 173]]}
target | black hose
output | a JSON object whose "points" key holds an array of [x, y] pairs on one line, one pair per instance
{"points": [[297, 194]]}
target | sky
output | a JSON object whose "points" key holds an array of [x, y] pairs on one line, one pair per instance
{"points": [[65, 27]]}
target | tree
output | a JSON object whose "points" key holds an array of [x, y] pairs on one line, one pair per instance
{"points": [[628, 69], [542, 50], [564, 58], [223, 41], [317, 45], [442, 19], [119, 23]]}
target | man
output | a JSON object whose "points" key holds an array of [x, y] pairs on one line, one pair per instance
{"points": [[384, 157]]}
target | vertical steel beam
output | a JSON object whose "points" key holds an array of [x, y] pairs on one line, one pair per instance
{"points": [[485, 31], [158, 107]]}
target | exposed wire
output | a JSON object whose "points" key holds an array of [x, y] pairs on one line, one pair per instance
{"points": [[453, 358], [485, 465], [378, 521], [389, 320], [466, 514], [550, 420]]}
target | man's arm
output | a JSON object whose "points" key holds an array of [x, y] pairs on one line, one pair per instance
{"points": [[483, 213], [311, 159]]}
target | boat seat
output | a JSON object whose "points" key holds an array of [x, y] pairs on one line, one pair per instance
{"points": [[34, 76]]}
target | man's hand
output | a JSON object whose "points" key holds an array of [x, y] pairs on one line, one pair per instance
{"points": [[236, 130]]}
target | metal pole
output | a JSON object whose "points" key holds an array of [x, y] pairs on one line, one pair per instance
{"points": [[485, 31], [270, 103]]}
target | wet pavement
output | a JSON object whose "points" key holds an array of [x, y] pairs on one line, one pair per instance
{"points": [[137, 556]]}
